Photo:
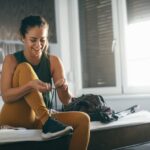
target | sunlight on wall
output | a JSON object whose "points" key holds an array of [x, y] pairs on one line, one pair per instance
{"points": [[138, 54]]}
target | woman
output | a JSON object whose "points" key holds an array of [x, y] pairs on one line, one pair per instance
{"points": [[26, 81]]}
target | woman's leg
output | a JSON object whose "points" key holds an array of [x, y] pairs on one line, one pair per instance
{"points": [[81, 125], [24, 111], [23, 74], [27, 111]]}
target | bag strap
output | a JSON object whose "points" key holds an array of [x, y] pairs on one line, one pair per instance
{"points": [[127, 111], [102, 99]]}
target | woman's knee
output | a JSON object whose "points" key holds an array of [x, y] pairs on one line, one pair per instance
{"points": [[84, 118], [23, 74], [26, 70], [24, 66]]}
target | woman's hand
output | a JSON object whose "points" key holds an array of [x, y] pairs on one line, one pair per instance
{"points": [[40, 85], [61, 84], [58, 75]]}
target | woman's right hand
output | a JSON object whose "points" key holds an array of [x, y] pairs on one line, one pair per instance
{"points": [[40, 85]]}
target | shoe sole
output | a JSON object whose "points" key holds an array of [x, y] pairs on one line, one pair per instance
{"points": [[57, 134]]}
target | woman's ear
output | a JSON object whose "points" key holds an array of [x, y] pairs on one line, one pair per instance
{"points": [[22, 39]]}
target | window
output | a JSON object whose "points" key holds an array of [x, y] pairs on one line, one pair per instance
{"points": [[96, 32], [114, 49], [137, 45], [98, 67]]}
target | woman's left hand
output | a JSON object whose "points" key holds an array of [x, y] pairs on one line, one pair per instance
{"points": [[61, 84]]}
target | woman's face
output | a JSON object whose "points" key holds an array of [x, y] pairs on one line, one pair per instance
{"points": [[35, 41]]}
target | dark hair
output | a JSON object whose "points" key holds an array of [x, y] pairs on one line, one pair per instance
{"points": [[31, 21]]}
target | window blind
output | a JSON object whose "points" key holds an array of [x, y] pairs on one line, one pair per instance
{"points": [[138, 10], [96, 34]]}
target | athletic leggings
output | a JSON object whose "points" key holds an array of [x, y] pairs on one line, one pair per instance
{"points": [[30, 111]]}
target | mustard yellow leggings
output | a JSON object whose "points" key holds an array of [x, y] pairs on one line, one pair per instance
{"points": [[31, 112]]}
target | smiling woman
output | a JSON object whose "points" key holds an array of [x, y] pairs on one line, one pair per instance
{"points": [[35, 40], [9, 37], [26, 83]]}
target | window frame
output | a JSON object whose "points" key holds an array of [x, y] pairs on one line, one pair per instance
{"points": [[122, 31], [76, 56]]}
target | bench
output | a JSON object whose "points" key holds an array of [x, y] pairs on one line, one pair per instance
{"points": [[130, 130]]}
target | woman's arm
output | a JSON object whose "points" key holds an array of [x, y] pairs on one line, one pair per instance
{"points": [[61, 85], [9, 93]]}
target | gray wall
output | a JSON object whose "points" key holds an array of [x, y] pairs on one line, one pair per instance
{"points": [[14, 11], [119, 104], [123, 102]]}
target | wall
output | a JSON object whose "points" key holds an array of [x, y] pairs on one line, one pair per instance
{"points": [[14, 11], [119, 103]]}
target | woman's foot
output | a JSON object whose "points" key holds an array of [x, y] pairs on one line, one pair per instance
{"points": [[53, 128]]}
